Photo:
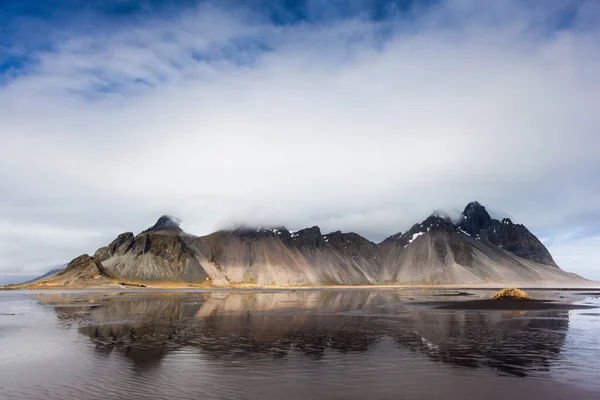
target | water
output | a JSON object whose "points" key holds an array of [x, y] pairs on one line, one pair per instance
{"points": [[292, 345]]}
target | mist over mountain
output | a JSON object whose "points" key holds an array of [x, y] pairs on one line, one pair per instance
{"points": [[474, 249]]}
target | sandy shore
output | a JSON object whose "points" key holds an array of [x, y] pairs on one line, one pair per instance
{"points": [[132, 285]]}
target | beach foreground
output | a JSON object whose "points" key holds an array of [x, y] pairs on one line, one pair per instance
{"points": [[307, 343]]}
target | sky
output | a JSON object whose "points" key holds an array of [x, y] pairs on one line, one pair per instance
{"points": [[362, 116]]}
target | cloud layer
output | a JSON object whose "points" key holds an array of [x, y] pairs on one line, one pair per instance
{"points": [[339, 119]]}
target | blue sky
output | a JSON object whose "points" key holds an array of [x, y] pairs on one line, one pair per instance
{"points": [[356, 115]]}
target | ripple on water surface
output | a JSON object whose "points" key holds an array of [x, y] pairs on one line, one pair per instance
{"points": [[293, 345]]}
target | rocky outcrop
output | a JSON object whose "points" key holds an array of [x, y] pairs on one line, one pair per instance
{"points": [[82, 269], [156, 256], [102, 254], [120, 245], [474, 219]]}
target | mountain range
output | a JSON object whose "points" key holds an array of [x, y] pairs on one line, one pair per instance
{"points": [[474, 250]]}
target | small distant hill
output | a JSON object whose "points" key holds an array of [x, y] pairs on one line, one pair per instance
{"points": [[51, 272]]}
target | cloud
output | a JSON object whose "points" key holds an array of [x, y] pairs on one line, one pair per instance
{"points": [[222, 116]]}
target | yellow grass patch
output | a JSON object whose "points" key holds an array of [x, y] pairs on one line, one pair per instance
{"points": [[510, 294]]}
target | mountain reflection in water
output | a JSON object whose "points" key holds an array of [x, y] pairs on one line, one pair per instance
{"points": [[295, 345], [236, 326]]}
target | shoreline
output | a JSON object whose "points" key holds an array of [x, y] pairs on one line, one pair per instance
{"points": [[166, 286]]}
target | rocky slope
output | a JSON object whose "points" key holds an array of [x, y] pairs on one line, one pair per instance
{"points": [[278, 256], [477, 249], [157, 254], [83, 270]]}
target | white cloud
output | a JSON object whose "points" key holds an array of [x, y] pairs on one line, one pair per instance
{"points": [[332, 126]]}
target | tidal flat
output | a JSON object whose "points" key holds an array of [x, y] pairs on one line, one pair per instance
{"points": [[269, 344]]}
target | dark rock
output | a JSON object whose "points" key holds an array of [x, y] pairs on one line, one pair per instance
{"points": [[170, 248], [433, 223], [165, 223], [352, 244], [157, 256], [132, 284], [394, 239], [474, 219], [308, 238], [121, 244], [102, 254], [459, 294], [141, 244], [515, 238]]}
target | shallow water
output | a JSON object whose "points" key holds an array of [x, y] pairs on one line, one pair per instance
{"points": [[293, 345]]}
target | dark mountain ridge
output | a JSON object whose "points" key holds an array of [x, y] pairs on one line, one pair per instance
{"points": [[516, 238], [477, 249]]}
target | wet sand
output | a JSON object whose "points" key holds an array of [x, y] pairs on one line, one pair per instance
{"points": [[509, 305], [292, 344]]}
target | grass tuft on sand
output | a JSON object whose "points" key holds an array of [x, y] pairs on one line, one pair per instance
{"points": [[510, 294]]}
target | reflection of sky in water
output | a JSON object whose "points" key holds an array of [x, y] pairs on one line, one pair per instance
{"points": [[580, 357], [292, 345]]}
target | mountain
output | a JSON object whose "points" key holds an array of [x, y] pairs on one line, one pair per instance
{"points": [[278, 256], [515, 238], [159, 253], [476, 249], [51, 272]]}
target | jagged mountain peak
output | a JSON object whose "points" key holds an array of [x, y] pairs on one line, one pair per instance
{"points": [[434, 222], [308, 237], [395, 238], [475, 208], [436, 219], [474, 219], [474, 204], [312, 231], [339, 236], [248, 232], [165, 223]]}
